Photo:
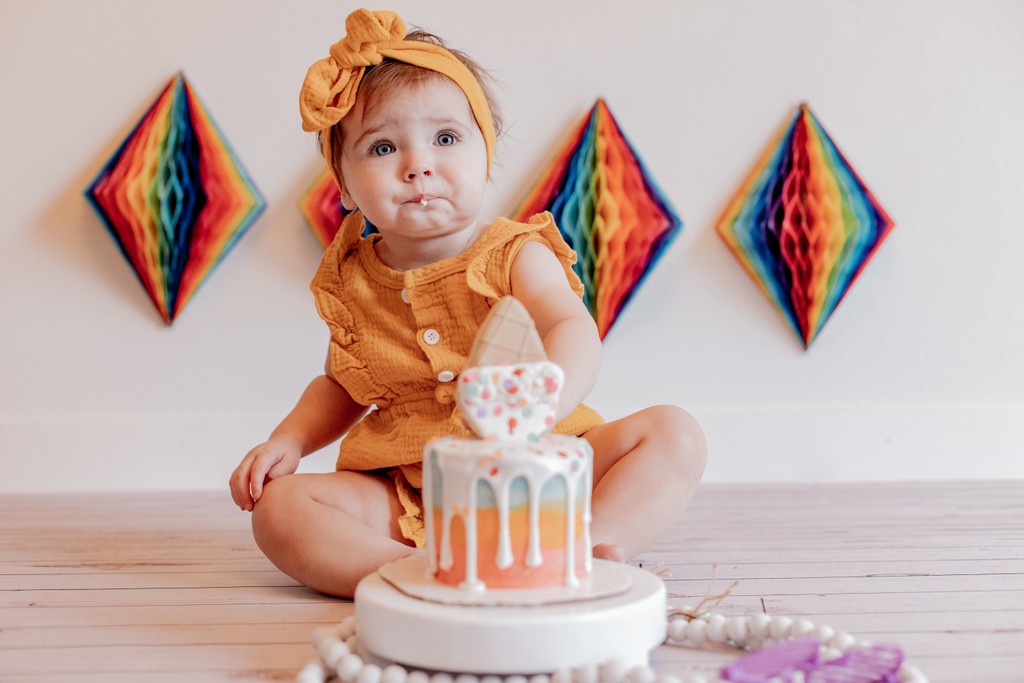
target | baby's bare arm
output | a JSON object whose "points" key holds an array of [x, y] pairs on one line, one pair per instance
{"points": [[323, 413], [563, 322]]}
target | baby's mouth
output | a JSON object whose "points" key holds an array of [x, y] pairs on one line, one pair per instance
{"points": [[422, 199]]}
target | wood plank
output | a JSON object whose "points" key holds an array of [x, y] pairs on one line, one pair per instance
{"points": [[892, 603], [261, 675], [244, 595], [729, 571], [98, 635], [839, 585], [191, 659], [136, 581], [312, 612]]}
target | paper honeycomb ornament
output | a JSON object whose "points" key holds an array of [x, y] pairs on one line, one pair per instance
{"points": [[174, 197], [321, 206], [609, 210], [804, 225], [322, 209]]}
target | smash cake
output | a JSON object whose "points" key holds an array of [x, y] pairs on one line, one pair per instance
{"points": [[507, 571], [508, 508]]}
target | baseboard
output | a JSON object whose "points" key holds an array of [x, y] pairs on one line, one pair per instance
{"points": [[862, 443], [131, 452]]}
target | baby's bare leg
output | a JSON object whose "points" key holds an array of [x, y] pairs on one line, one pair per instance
{"points": [[646, 469], [328, 531]]}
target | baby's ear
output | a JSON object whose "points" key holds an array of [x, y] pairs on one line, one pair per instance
{"points": [[346, 198]]}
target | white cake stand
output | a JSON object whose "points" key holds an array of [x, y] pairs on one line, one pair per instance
{"points": [[537, 636]]}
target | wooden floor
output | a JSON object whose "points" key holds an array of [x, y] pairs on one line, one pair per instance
{"points": [[170, 587]]}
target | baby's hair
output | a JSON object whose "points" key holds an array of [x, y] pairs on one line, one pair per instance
{"points": [[391, 76]]}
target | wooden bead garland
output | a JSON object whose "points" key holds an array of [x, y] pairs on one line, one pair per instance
{"points": [[337, 647]]}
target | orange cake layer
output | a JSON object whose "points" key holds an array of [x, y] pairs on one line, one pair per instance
{"points": [[551, 570]]}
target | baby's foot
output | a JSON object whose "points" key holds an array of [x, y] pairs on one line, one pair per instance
{"points": [[609, 551]]}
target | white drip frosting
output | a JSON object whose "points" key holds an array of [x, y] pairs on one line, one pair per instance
{"points": [[463, 463]]}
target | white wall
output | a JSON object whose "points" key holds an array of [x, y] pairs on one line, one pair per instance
{"points": [[919, 374]]}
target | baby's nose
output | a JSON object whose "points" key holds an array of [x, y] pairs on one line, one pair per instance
{"points": [[412, 173]]}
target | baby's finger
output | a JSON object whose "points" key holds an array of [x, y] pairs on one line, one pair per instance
{"points": [[259, 474], [240, 484]]}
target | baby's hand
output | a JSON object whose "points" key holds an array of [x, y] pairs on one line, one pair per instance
{"points": [[271, 459]]}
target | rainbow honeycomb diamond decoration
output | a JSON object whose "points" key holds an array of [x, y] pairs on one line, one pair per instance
{"points": [[608, 209], [322, 209], [174, 198], [803, 225]]}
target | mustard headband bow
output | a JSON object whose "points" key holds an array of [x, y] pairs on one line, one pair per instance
{"points": [[331, 84]]}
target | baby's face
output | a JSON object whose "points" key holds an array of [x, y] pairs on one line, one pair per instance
{"points": [[416, 163]]}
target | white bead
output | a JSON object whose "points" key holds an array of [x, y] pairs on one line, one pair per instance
{"points": [[490, 679], [642, 674], [321, 634], [911, 674], [418, 677], [759, 625], [467, 678], [696, 631], [561, 676], [841, 641], [780, 627], [346, 628], [830, 653], [585, 674], [333, 652], [394, 674], [540, 678], [349, 667], [738, 630], [516, 679], [371, 673], [823, 633], [614, 670], [313, 672], [677, 629], [801, 627], [716, 628], [442, 677]]}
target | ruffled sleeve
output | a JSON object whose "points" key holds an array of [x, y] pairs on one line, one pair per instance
{"points": [[489, 272], [346, 365]]}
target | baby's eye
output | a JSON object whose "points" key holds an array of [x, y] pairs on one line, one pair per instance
{"points": [[446, 139], [382, 149]]}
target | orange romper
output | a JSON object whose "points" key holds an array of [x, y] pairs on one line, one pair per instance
{"points": [[400, 339]]}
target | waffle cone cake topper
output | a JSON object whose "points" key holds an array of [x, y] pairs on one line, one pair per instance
{"points": [[509, 390], [507, 335]]}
